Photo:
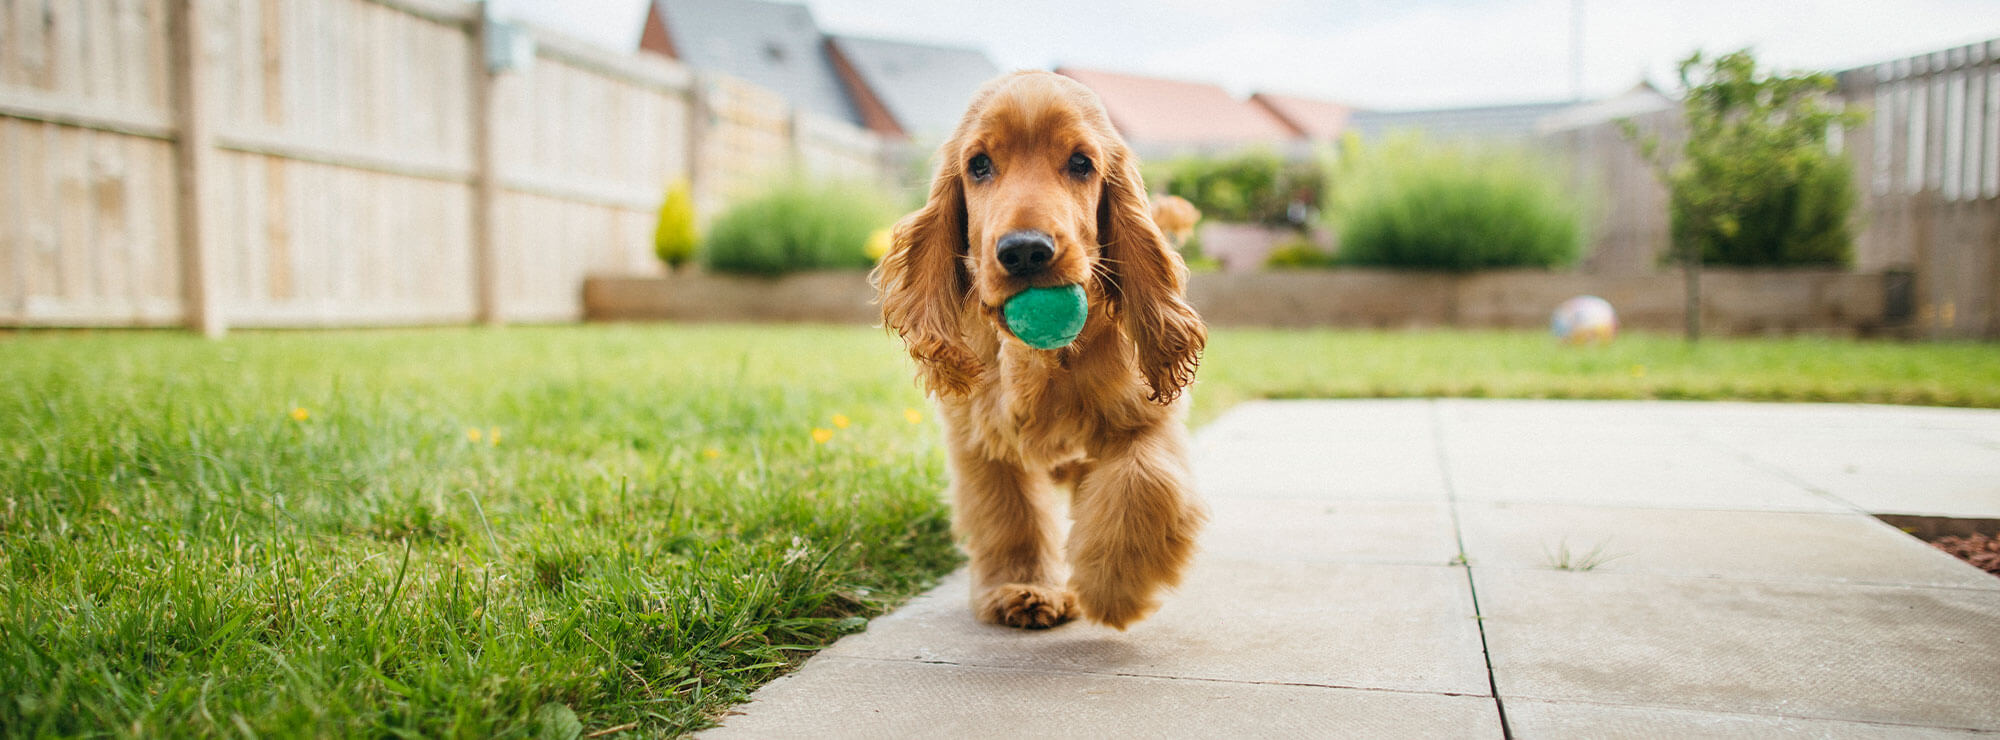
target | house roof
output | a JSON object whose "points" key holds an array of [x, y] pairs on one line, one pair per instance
{"points": [[1488, 122], [923, 87], [1640, 100], [776, 46], [1157, 111], [1312, 119]]}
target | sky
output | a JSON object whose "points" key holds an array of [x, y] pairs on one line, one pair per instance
{"points": [[1383, 54]]}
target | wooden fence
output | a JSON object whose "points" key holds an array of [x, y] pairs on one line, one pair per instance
{"points": [[217, 163], [1927, 166]]}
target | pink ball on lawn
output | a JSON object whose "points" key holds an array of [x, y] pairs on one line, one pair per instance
{"points": [[1584, 319]]}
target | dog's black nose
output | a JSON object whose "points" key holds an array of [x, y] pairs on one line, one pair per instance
{"points": [[1026, 252]]}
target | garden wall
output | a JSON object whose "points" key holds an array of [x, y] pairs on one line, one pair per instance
{"points": [[217, 163], [1733, 301]]}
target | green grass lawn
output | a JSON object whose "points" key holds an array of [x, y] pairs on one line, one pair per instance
{"points": [[514, 533], [455, 532], [1243, 365]]}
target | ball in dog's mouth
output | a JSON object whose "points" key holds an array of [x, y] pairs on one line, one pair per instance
{"points": [[1047, 318]]}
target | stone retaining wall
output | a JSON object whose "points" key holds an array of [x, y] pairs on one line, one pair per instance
{"points": [[1733, 301]]}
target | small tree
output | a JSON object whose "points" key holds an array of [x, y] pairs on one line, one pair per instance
{"points": [[674, 237], [1755, 183]]}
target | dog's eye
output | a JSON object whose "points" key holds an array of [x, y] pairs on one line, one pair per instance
{"points": [[980, 167], [1079, 166]]}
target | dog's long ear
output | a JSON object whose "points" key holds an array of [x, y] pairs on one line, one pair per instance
{"points": [[923, 288], [1149, 281]]}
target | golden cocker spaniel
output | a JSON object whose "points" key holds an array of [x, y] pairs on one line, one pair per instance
{"points": [[1036, 189]]}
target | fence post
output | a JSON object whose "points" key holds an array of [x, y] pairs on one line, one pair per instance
{"points": [[697, 135], [485, 178], [796, 151], [194, 152]]}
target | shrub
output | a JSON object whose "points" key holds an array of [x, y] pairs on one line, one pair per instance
{"points": [[1802, 221], [798, 225], [1298, 253], [1252, 187], [1430, 207], [1754, 183], [674, 236]]}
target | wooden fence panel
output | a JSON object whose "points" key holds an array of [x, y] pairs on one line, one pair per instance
{"points": [[1928, 165], [342, 179], [587, 148], [748, 142], [340, 193], [1625, 205], [834, 150], [87, 226]]}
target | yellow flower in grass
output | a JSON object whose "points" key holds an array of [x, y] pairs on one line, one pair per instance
{"points": [[840, 421], [711, 453], [879, 243], [915, 416], [822, 436], [472, 434], [301, 414], [493, 436]]}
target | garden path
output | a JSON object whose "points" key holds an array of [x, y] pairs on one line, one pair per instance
{"points": [[1460, 568]]}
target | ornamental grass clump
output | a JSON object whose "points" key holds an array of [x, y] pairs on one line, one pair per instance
{"points": [[1414, 205], [798, 225], [674, 235]]}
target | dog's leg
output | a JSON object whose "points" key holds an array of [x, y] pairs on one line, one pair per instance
{"points": [[1136, 521], [1007, 518]]}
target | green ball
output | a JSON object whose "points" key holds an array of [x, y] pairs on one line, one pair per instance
{"points": [[1047, 318]]}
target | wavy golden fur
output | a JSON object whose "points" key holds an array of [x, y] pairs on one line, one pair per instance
{"points": [[1101, 416]]}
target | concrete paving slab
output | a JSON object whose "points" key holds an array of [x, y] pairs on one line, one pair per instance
{"points": [[1359, 469], [1382, 450], [1326, 531], [1785, 546], [1614, 467], [1400, 627], [1944, 472], [1898, 655], [1528, 720], [1715, 414], [1262, 418], [866, 699]]}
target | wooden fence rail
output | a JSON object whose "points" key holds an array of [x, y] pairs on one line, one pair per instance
{"points": [[218, 163]]}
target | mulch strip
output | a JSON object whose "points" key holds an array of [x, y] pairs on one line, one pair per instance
{"points": [[1982, 551]]}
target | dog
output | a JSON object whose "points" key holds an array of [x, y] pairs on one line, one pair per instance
{"points": [[1036, 189]]}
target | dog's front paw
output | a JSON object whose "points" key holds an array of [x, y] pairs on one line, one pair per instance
{"points": [[1026, 606]]}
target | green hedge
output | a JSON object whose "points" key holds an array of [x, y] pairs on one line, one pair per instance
{"points": [[798, 225], [1414, 205]]}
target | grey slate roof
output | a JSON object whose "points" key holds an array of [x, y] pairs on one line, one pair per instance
{"points": [[776, 46], [1490, 122], [925, 87]]}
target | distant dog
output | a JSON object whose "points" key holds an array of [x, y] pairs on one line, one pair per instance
{"points": [[1036, 189], [1176, 218]]}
